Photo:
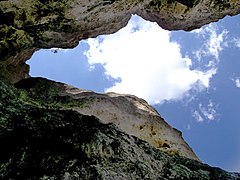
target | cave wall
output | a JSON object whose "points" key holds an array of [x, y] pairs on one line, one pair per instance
{"points": [[27, 25], [43, 137]]}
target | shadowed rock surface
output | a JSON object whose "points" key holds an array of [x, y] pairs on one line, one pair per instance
{"points": [[45, 128], [27, 25], [130, 114], [41, 142]]}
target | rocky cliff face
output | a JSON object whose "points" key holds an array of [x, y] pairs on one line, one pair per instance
{"points": [[26, 25], [40, 140], [50, 130], [130, 114]]}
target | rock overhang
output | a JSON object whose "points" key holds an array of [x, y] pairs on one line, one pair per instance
{"points": [[28, 25]]}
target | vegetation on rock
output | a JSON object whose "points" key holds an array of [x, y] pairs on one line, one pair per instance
{"points": [[39, 137], [27, 25], [130, 114], [47, 143]]}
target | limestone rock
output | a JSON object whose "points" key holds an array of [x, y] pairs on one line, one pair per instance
{"points": [[130, 114], [26, 25], [45, 128], [40, 141]]}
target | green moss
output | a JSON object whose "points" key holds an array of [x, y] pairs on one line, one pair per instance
{"points": [[172, 152], [13, 40], [157, 5], [60, 144], [23, 24], [23, 96], [221, 5], [189, 3], [43, 93]]}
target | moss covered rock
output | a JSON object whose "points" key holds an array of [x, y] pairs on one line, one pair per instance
{"points": [[41, 136], [129, 113], [43, 143], [27, 25]]}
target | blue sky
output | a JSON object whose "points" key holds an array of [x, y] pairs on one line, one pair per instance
{"points": [[191, 78]]}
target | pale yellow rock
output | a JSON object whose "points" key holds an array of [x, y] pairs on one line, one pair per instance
{"points": [[133, 116]]}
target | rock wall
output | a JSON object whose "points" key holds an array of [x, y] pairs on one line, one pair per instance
{"points": [[130, 114], [45, 128], [26, 25], [42, 141]]}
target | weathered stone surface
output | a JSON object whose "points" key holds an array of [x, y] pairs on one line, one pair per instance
{"points": [[29, 24], [130, 114], [43, 142], [45, 130]]}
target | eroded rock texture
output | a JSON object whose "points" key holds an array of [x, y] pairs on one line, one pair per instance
{"points": [[26, 25], [42, 141], [49, 130], [130, 114]]}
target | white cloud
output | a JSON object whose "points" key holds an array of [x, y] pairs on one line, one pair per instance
{"points": [[214, 44], [147, 62], [236, 81], [197, 116], [237, 42], [208, 112]]}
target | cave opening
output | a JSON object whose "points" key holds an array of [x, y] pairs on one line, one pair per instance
{"points": [[191, 78]]}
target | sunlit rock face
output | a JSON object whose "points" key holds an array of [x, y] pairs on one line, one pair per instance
{"points": [[130, 114], [41, 139], [45, 128], [26, 25]]}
